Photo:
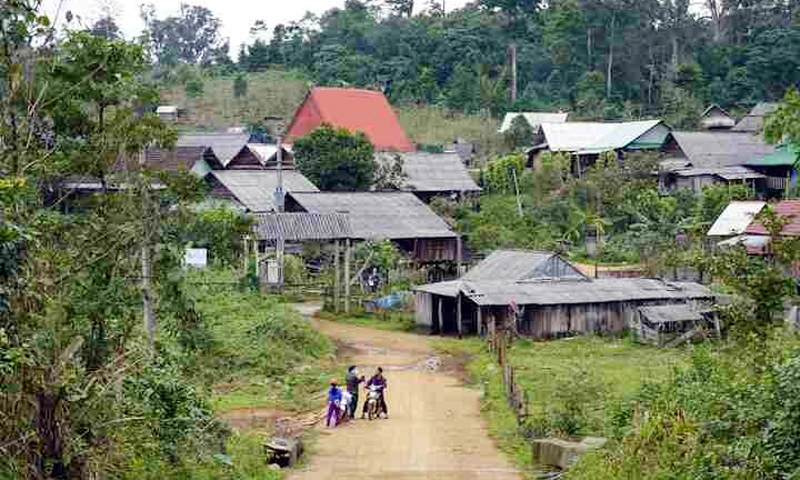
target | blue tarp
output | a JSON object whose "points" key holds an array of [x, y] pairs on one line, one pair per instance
{"points": [[389, 301]]}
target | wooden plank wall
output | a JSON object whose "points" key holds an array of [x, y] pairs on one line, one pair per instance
{"points": [[424, 309]]}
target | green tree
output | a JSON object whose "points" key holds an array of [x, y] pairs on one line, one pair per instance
{"points": [[194, 87], [192, 36], [335, 159], [520, 134], [240, 85]]}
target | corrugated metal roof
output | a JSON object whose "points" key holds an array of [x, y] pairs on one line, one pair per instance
{"points": [[224, 145], [564, 292], [535, 119], [755, 244], [784, 156], [594, 137], [721, 149], [302, 226], [255, 189], [433, 172], [379, 215], [267, 151], [518, 265], [753, 122], [787, 208], [570, 292], [728, 173], [165, 109], [670, 313], [735, 219]]}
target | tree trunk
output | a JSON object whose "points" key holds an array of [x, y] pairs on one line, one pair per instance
{"points": [[674, 59], [589, 59], [610, 56], [51, 459]]}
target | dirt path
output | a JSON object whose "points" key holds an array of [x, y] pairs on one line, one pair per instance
{"points": [[434, 431]]}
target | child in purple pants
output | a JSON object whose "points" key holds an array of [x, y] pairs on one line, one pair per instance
{"points": [[334, 399]]}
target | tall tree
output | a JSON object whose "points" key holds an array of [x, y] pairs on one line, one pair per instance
{"points": [[335, 159], [190, 37]]}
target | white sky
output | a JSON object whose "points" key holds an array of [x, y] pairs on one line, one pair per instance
{"points": [[237, 16]]}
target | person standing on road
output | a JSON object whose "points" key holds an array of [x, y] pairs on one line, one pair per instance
{"points": [[352, 380], [334, 399]]}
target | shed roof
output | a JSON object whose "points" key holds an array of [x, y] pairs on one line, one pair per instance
{"points": [[670, 313], [535, 119], [716, 117], [787, 208], [224, 145], [166, 109], [753, 122], [379, 215], [735, 219], [255, 189], [433, 172], [356, 110], [594, 137], [517, 265], [302, 226], [720, 149], [569, 292]]}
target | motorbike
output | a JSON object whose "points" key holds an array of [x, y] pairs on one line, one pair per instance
{"points": [[374, 401]]}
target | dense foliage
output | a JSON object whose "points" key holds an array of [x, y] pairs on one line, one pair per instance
{"points": [[335, 159], [601, 59]]}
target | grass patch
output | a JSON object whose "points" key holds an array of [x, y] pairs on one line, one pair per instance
{"points": [[262, 353], [544, 369], [617, 366], [392, 321]]}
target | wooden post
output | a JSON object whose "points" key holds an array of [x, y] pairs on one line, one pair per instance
{"points": [[480, 322], [255, 254], [440, 322], [458, 256], [347, 276], [336, 276], [246, 242], [458, 314]]}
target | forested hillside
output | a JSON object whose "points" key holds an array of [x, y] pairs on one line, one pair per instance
{"points": [[597, 58]]}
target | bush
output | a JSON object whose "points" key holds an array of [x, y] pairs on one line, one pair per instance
{"points": [[499, 176], [240, 86], [194, 87]]}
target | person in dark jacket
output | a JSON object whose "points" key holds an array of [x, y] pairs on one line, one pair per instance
{"points": [[353, 381], [378, 380]]}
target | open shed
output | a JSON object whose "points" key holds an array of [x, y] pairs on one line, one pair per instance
{"points": [[665, 325]]}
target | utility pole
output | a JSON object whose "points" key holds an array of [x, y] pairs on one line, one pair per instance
{"points": [[147, 261], [280, 197], [512, 55]]}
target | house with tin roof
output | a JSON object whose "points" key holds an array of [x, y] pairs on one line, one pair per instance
{"points": [[534, 119], [356, 110], [254, 190], [430, 175], [541, 295]]}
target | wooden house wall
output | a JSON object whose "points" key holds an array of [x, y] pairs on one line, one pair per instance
{"points": [[245, 160], [424, 309], [431, 249]]}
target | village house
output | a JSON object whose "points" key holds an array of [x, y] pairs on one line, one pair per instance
{"points": [[542, 295], [695, 160], [255, 190], [430, 175], [355, 110], [225, 146], [734, 220], [778, 168], [753, 122], [397, 216], [261, 156], [585, 141], [716, 118]]}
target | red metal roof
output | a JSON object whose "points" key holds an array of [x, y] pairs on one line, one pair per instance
{"points": [[787, 208], [354, 109]]}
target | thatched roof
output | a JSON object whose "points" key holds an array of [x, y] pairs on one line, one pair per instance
{"points": [[433, 172], [255, 189], [753, 122], [720, 149], [379, 215], [301, 226]]}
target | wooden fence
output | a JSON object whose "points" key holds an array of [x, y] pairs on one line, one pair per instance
{"points": [[500, 340]]}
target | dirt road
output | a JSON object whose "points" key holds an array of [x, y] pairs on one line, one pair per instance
{"points": [[434, 430]]}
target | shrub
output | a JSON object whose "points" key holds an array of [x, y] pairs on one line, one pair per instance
{"points": [[194, 87]]}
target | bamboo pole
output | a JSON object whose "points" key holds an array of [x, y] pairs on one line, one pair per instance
{"points": [[347, 253], [336, 276]]}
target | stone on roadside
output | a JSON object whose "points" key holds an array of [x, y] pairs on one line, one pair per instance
{"points": [[563, 453]]}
